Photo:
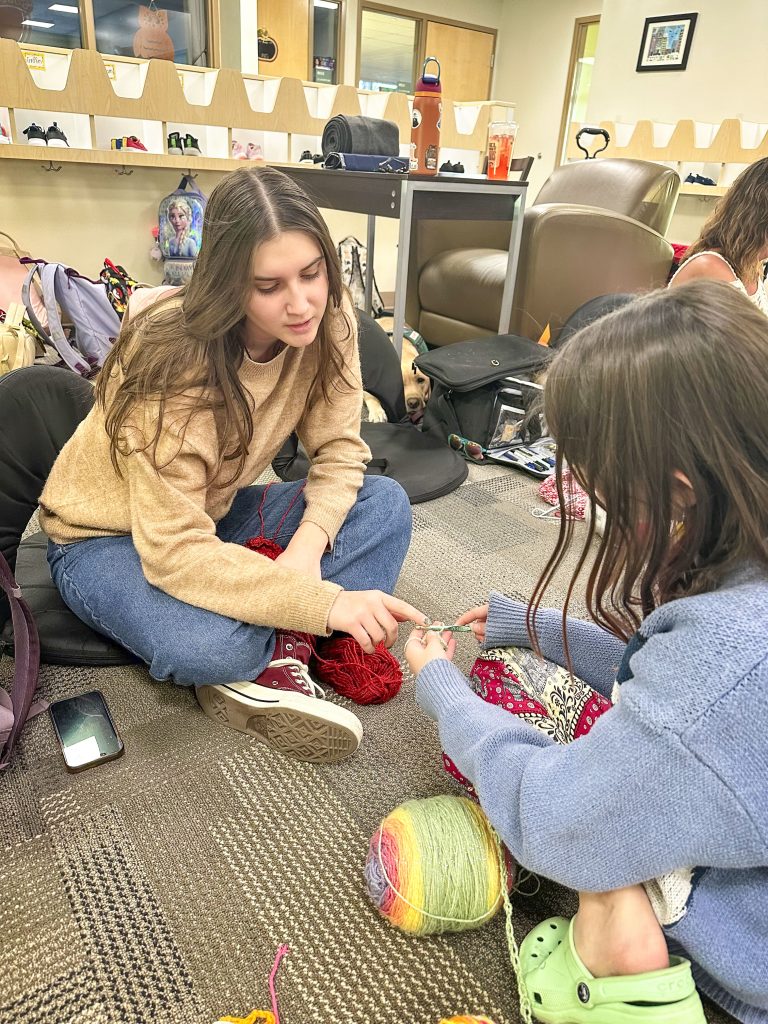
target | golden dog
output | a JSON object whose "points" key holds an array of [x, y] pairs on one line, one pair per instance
{"points": [[416, 386]]}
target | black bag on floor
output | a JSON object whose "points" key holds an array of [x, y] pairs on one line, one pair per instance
{"points": [[421, 463], [469, 379]]}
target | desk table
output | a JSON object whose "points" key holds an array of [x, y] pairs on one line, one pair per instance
{"points": [[411, 198]]}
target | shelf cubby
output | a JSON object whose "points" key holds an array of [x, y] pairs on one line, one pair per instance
{"points": [[121, 96], [717, 150]]}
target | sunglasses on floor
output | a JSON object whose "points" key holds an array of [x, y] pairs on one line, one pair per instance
{"points": [[472, 449]]}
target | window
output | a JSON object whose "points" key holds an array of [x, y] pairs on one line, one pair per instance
{"points": [[326, 22], [387, 52], [393, 45], [579, 77], [176, 31], [42, 22]]}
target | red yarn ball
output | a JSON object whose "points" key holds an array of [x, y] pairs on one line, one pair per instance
{"points": [[341, 663], [264, 546]]}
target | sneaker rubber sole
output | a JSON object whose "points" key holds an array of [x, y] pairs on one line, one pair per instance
{"points": [[58, 144], [37, 142], [289, 724]]}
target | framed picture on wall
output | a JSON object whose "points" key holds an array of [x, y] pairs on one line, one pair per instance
{"points": [[666, 43]]}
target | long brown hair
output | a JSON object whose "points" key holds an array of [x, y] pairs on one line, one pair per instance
{"points": [[738, 227], [196, 345], [676, 381]]}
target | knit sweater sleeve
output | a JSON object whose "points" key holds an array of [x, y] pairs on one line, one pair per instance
{"points": [[181, 554], [595, 653], [330, 433], [616, 807]]}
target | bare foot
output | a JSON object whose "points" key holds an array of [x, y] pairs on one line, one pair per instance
{"points": [[617, 933]]}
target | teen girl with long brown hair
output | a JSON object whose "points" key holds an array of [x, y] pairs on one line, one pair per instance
{"points": [[149, 504], [733, 244], [659, 410]]}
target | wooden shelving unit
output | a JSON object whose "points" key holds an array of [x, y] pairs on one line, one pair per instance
{"points": [[234, 102], [708, 191], [680, 148], [118, 158]]}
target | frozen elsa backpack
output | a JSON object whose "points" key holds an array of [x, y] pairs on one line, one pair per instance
{"points": [[180, 230]]}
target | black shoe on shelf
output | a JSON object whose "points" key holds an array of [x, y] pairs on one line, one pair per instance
{"points": [[35, 135], [318, 158], [458, 168], [190, 146], [446, 167], [56, 137], [175, 147], [306, 157], [698, 179]]}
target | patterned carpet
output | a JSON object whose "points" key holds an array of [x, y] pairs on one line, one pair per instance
{"points": [[156, 889]]}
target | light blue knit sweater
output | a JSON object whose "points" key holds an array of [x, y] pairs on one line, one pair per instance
{"points": [[674, 776]]}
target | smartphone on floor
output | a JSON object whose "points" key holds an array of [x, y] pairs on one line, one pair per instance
{"points": [[85, 730]]}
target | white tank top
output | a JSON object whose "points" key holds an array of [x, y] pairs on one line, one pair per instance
{"points": [[759, 297]]}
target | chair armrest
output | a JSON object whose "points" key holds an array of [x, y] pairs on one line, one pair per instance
{"points": [[570, 254]]}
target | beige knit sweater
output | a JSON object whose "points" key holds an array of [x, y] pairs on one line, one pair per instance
{"points": [[171, 512]]}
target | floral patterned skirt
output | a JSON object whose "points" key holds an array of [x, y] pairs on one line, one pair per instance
{"points": [[543, 694]]}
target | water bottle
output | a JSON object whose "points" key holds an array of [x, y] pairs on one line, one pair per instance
{"points": [[425, 126]]}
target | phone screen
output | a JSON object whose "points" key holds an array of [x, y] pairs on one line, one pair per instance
{"points": [[85, 729]]}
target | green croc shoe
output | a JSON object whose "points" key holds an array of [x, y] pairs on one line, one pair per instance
{"points": [[562, 991]]}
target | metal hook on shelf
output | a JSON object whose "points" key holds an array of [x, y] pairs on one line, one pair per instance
{"points": [[191, 175], [50, 166], [122, 170]]}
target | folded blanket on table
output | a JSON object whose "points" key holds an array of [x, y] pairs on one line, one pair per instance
{"points": [[360, 135], [361, 162]]}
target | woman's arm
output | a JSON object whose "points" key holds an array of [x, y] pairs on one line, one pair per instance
{"points": [[615, 807], [595, 653], [181, 554], [330, 433]]}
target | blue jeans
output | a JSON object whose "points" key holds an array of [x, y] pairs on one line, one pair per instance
{"points": [[102, 582]]}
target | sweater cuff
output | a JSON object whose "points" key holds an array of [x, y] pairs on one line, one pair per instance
{"points": [[506, 625], [327, 518], [311, 607], [440, 687]]}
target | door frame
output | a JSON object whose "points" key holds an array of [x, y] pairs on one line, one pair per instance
{"points": [[340, 37], [422, 20], [578, 25]]}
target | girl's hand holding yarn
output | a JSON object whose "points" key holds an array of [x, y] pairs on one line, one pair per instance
{"points": [[371, 617], [422, 647], [476, 618]]}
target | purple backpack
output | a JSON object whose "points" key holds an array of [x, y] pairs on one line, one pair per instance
{"points": [[84, 304]]}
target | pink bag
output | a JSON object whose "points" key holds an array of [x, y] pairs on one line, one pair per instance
{"points": [[12, 276]]}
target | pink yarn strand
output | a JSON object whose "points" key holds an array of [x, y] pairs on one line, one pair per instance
{"points": [[281, 952]]}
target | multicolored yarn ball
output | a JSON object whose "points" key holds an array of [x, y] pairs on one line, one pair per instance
{"points": [[466, 1019], [434, 866]]}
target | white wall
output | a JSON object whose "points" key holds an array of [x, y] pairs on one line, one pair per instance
{"points": [[727, 73], [535, 41], [726, 76]]}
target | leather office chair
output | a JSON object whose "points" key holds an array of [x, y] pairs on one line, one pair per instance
{"points": [[596, 227], [40, 408]]}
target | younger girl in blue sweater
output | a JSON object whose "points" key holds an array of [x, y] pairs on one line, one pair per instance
{"points": [[658, 816]]}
